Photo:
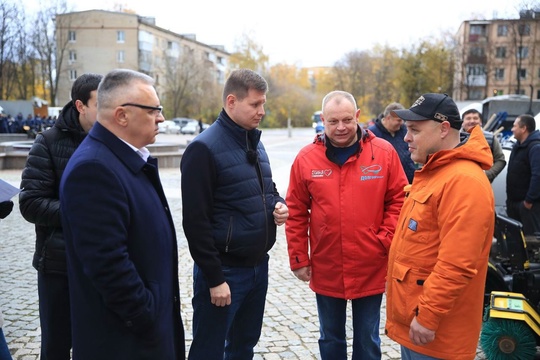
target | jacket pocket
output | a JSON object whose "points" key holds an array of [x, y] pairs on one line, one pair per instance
{"points": [[420, 214], [405, 289]]}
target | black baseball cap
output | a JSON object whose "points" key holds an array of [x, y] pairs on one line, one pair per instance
{"points": [[431, 106]]}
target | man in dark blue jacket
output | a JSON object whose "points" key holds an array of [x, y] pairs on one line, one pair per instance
{"points": [[393, 130], [230, 211], [523, 175], [122, 256]]}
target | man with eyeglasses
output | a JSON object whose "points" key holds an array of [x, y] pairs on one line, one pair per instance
{"points": [[39, 203], [345, 193], [120, 238]]}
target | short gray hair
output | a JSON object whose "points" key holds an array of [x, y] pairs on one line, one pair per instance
{"points": [[118, 82], [393, 106], [338, 94]]}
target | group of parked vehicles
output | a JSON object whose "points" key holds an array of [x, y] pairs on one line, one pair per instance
{"points": [[181, 126]]}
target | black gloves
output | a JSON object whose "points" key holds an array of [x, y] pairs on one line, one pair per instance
{"points": [[5, 208]]}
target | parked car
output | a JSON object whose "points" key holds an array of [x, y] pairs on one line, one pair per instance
{"points": [[168, 127], [319, 127], [182, 121], [192, 127]]}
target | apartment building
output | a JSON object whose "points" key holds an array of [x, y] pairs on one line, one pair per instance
{"points": [[98, 41], [498, 57]]}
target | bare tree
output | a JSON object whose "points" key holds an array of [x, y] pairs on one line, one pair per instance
{"points": [[354, 73], [49, 46], [188, 78], [9, 27]]}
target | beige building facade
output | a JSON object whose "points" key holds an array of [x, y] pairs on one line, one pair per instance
{"points": [[98, 41], [498, 57]]}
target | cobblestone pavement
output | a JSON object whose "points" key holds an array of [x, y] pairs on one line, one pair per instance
{"points": [[290, 329]]}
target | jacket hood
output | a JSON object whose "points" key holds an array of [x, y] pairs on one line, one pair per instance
{"points": [[68, 120], [474, 148], [364, 135], [535, 135]]}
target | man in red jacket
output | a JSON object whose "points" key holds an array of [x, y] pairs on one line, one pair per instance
{"points": [[344, 197]]}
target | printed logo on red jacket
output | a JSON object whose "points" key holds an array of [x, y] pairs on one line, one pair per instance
{"points": [[371, 172], [315, 173]]}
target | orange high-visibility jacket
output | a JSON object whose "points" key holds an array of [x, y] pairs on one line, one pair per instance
{"points": [[438, 259]]}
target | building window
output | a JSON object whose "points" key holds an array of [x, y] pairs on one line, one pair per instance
{"points": [[500, 52], [524, 29], [499, 74], [538, 94], [502, 30], [120, 36], [72, 56], [539, 73], [520, 92], [72, 75], [476, 69], [476, 94], [478, 30], [72, 36], [523, 52], [120, 56], [522, 74], [477, 51]]}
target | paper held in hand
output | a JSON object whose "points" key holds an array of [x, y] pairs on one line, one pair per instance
{"points": [[7, 191]]}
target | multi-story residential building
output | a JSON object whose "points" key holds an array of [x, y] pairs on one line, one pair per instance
{"points": [[498, 57], [98, 41]]}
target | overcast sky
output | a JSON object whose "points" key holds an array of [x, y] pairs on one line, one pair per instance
{"points": [[311, 33]]}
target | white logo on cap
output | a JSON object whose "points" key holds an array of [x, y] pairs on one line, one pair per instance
{"points": [[418, 101]]}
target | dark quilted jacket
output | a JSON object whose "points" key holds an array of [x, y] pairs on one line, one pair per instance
{"points": [[39, 201]]}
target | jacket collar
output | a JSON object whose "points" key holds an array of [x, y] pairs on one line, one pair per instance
{"points": [[119, 148]]}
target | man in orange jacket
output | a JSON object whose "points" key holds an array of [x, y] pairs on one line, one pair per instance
{"points": [[438, 259]]}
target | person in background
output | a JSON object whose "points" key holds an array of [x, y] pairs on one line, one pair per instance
{"points": [[439, 256], [39, 204], [5, 209], [345, 193], [201, 126], [230, 209], [122, 255], [471, 118], [523, 175], [392, 129]]}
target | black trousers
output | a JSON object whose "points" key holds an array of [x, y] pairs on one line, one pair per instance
{"points": [[54, 316], [530, 219]]}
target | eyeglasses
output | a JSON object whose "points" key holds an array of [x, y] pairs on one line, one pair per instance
{"points": [[156, 110]]}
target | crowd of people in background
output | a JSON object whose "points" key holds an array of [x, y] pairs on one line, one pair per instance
{"points": [[21, 125]]}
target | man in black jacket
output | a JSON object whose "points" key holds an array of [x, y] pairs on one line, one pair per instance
{"points": [[40, 204], [523, 175], [230, 209]]}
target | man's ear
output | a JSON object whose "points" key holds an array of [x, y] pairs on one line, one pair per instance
{"points": [[79, 106], [120, 116], [230, 100], [445, 129]]}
